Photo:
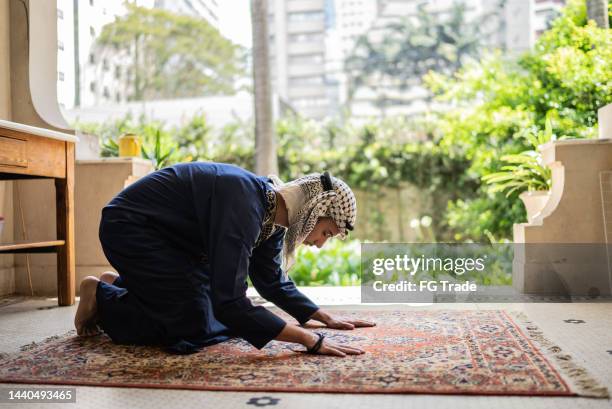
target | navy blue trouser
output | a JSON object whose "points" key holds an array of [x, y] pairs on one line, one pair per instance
{"points": [[162, 295]]}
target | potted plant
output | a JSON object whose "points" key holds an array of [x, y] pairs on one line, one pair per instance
{"points": [[524, 172]]}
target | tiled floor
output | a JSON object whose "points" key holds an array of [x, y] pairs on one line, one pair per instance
{"points": [[582, 329]]}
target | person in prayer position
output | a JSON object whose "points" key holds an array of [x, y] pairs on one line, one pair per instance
{"points": [[185, 238]]}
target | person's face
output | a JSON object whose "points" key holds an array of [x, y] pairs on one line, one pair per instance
{"points": [[323, 230]]}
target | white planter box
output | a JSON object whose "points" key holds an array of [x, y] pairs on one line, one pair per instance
{"points": [[534, 202]]}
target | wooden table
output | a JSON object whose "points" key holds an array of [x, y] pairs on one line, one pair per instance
{"points": [[28, 152]]}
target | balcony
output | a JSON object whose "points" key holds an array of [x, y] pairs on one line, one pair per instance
{"points": [[296, 27], [306, 48], [305, 70]]}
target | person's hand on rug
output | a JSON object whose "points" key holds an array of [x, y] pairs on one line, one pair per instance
{"points": [[335, 323], [315, 343], [332, 348]]}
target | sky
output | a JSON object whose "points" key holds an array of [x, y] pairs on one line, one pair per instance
{"points": [[235, 21]]}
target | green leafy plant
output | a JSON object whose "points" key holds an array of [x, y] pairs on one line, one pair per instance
{"points": [[524, 171], [337, 263], [109, 148], [378, 154], [160, 156]]}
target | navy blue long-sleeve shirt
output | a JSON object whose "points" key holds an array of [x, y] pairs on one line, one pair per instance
{"points": [[216, 211]]}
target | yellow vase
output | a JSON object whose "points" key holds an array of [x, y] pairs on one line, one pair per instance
{"points": [[129, 145]]}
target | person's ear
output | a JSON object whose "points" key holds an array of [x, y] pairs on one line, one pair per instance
{"points": [[335, 229]]}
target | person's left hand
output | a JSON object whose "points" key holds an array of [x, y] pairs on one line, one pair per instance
{"points": [[338, 323]]}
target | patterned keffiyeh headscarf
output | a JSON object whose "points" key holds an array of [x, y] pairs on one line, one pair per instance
{"points": [[308, 198]]}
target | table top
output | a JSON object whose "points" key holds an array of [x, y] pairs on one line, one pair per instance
{"points": [[47, 133]]}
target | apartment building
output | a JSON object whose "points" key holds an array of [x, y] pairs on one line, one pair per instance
{"points": [[309, 40]]}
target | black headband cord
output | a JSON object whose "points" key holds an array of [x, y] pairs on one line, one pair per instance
{"points": [[326, 181]]}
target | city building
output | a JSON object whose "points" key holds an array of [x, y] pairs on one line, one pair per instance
{"points": [[353, 19], [526, 20], [297, 51], [309, 40], [545, 11]]}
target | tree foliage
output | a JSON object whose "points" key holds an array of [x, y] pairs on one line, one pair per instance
{"points": [[171, 55]]}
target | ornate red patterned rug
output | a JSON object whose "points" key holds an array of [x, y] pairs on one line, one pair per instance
{"points": [[435, 352]]}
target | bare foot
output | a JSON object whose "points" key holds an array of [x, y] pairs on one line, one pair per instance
{"points": [[85, 319], [109, 277]]}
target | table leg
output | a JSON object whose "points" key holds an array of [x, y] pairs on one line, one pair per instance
{"points": [[66, 265]]}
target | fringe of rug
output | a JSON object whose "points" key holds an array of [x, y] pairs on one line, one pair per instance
{"points": [[578, 377]]}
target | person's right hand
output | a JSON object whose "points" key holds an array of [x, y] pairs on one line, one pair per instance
{"points": [[331, 348], [299, 335]]}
